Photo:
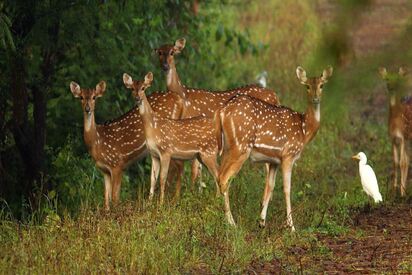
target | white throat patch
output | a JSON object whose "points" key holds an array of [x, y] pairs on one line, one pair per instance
{"points": [[317, 112], [88, 123]]}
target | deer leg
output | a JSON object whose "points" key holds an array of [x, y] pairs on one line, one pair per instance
{"points": [[211, 164], [404, 163], [407, 159], [201, 182], [196, 173], [230, 166], [116, 182], [179, 174], [107, 190], [271, 170], [164, 168], [228, 213], [173, 172], [395, 165], [287, 166], [153, 176]]}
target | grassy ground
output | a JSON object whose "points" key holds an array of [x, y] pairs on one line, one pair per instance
{"points": [[192, 236]]}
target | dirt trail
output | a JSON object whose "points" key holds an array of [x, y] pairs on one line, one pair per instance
{"points": [[386, 242], [380, 240]]}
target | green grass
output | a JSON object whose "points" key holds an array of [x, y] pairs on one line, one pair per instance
{"points": [[192, 236]]}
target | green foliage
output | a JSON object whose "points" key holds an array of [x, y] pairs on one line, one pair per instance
{"points": [[6, 38], [88, 42], [76, 179]]}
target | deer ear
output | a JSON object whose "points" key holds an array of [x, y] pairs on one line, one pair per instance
{"points": [[301, 74], [403, 71], [127, 80], [148, 79], [382, 72], [75, 89], [100, 88], [327, 73], [179, 45]]}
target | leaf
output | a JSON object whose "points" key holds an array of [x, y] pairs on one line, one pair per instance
{"points": [[219, 33], [127, 27], [52, 194]]}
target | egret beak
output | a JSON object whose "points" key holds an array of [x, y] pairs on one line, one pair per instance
{"points": [[355, 157]]}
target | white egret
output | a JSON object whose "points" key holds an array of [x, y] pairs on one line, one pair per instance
{"points": [[262, 79], [368, 178]]}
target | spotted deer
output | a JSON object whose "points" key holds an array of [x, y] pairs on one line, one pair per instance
{"points": [[400, 123], [116, 144], [275, 135], [199, 101], [182, 139]]}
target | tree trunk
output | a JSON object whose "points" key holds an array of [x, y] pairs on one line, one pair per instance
{"points": [[20, 125]]}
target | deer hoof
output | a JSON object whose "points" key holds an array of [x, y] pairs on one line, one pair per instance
{"points": [[262, 223]]}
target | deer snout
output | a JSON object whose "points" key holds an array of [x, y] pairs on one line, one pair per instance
{"points": [[165, 66], [87, 108], [138, 100], [316, 100]]}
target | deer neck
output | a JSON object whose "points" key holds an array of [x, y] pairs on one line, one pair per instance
{"points": [[395, 113], [146, 112], [173, 82], [311, 121], [90, 132], [394, 103]]}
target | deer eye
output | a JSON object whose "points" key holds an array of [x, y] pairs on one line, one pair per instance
{"points": [[81, 97], [172, 53], [94, 97], [321, 86]]}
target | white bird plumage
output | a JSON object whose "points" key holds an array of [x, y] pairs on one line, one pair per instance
{"points": [[262, 79], [368, 178]]}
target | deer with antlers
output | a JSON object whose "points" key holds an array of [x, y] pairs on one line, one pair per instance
{"points": [[200, 102], [116, 144], [271, 134], [182, 139], [400, 122]]}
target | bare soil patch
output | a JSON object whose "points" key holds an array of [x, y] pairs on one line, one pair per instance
{"points": [[379, 241], [386, 242]]}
